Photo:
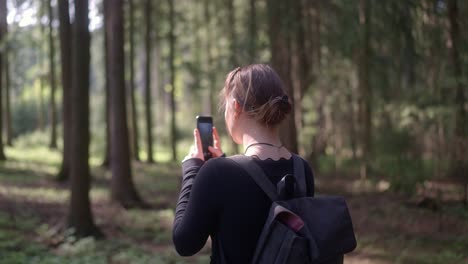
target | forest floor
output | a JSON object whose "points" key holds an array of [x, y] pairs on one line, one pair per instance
{"points": [[390, 228]]}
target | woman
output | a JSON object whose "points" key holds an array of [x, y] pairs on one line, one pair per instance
{"points": [[218, 198]]}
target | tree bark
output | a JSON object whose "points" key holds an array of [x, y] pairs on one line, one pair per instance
{"points": [[41, 118], [233, 62], [252, 32], [7, 116], [149, 116], [80, 215], [40, 112], [53, 108], [279, 13], [320, 139], [3, 25], [172, 131], [122, 187], [408, 52], [209, 57], [136, 147], [458, 164], [365, 92], [301, 67], [107, 155], [65, 48]]}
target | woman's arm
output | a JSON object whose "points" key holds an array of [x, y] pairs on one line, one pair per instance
{"points": [[197, 208]]}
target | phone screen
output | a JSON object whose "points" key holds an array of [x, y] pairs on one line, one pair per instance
{"points": [[205, 127]]}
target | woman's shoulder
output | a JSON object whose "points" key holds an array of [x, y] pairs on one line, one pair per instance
{"points": [[220, 162], [221, 165], [306, 163]]}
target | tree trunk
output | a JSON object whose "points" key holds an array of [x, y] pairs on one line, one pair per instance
{"points": [[231, 30], [80, 215], [40, 112], [279, 13], [458, 164], [351, 121], [65, 48], [135, 145], [53, 108], [209, 57], [122, 187], [149, 116], [301, 67], [408, 52], [320, 140], [315, 36], [252, 32], [41, 118], [172, 131], [7, 109], [3, 25], [107, 155], [365, 93], [233, 62], [197, 71]]}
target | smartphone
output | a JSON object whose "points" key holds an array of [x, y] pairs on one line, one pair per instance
{"points": [[205, 128]]}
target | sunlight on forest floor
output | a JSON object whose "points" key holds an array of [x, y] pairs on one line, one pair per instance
{"points": [[33, 207]]}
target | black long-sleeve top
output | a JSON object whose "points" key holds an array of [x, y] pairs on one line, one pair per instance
{"points": [[219, 199]]}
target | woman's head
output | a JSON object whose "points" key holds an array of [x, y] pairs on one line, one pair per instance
{"points": [[258, 91]]}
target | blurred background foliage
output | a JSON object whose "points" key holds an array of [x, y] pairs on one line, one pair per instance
{"points": [[406, 61]]}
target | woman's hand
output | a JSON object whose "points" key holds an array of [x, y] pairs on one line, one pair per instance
{"points": [[196, 151], [216, 150]]}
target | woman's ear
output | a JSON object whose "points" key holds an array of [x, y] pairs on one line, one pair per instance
{"points": [[237, 108]]}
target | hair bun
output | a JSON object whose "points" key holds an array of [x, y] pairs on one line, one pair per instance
{"points": [[282, 102], [278, 108]]}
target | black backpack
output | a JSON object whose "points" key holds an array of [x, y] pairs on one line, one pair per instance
{"points": [[299, 229]]}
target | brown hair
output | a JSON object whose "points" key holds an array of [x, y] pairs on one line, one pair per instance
{"points": [[260, 92]]}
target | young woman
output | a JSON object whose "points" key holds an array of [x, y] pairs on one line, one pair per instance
{"points": [[218, 198]]}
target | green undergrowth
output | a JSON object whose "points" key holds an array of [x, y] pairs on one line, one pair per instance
{"points": [[28, 235], [20, 242], [406, 249]]}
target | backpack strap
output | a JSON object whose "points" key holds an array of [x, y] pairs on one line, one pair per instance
{"points": [[299, 174], [257, 174]]}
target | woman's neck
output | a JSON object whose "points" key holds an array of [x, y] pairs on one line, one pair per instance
{"points": [[273, 148], [260, 134]]}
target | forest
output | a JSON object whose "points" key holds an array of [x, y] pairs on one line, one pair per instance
{"points": [[98, 100]]}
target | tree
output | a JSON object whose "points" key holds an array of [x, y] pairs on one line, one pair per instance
{"points": [[42, 50], [209, 68], [458, 160], [7, 116], [53, 108], [252, 32], [122, 187], [80, 215], [41, 107], [231, 30], [3, 25], [301, 66], [149, 129], [279, 17], [136, 148], [65, 52], [365, 92], [173, 132], [107, 155]]}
